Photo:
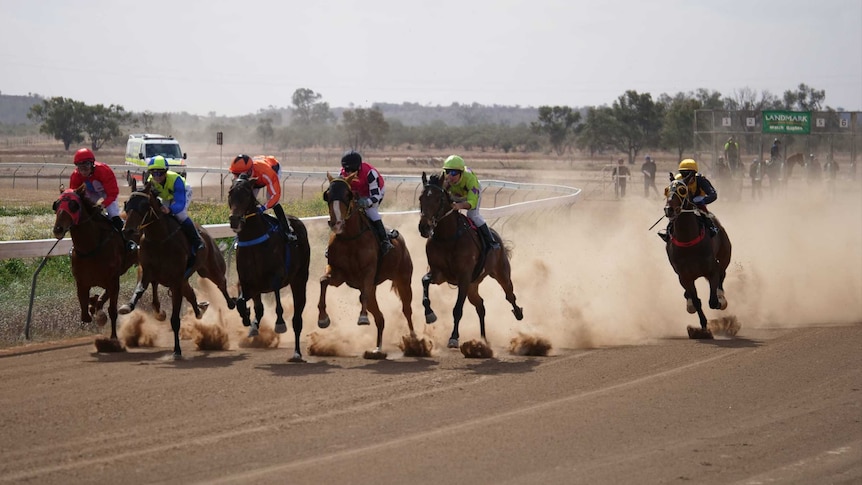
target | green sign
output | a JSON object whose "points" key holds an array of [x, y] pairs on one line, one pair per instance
{"points": [[787, 122]]}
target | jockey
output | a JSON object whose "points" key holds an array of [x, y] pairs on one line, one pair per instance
{"points": [[368, 186], [464, 188], [775, 150], [700, 192], [265, 171], [101, 187], [175, 196]]}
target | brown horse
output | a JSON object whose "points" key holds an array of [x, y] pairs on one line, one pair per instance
{"points": [[164, 252], [265, 262], [455, 256], [98, 256], [694, 253], [353, 257]]}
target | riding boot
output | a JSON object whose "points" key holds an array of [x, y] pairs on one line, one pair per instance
{"points": [[488, 237], [193, 236], [118, 225], [665, 236], [380, 231], [286, 228]]}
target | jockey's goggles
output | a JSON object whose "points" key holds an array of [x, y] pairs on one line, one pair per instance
{"points": [[453, 172], [158, 173]]}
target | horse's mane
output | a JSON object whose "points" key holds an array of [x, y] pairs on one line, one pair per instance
{"points": [[86, 204], [435, 179]]}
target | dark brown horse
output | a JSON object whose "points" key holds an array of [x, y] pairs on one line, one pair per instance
{"points": [[265, 262], [455, 256], [353, 257], [98, 256], [694, 253], [164, 252]]}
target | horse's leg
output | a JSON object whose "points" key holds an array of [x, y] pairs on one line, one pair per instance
{"points": [[430, 317], [693, 303], [157, 305], [136, 295], [84, 300], [299, 299], [280, 327], [504, 277], [114, 293], [379, 321], [258, 315], [477, 301], [242, 309], [457, 312], [177, 302], [322, 317], [190, 296], [405, 292]]}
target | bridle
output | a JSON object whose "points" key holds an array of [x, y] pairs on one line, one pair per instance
{"points": [[679, 190], [150, 210], [335, 204], [441, 211], [250, 209]]}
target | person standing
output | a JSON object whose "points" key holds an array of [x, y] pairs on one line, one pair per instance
{"points": [[731, 153], [648, 169], [755, 172], [620, 174], [101, 187]]}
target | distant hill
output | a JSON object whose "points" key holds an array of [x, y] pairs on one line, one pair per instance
{"points": [[14, 109]]}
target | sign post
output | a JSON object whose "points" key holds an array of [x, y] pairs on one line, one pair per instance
{"points": [[787, 122]]}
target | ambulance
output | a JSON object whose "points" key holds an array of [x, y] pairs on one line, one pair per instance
{"points": [[141, 147]]}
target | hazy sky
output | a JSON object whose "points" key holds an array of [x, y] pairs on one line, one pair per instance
{"points": [[239, 56]]}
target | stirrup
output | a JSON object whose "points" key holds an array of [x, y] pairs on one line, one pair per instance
{"points": [[290, 236], [386, 246], [131, 246]]}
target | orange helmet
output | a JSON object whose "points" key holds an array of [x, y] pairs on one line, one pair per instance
{"points": [[84, 155], [241, 164]]}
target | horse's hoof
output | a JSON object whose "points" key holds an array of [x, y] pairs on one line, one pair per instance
{"points": [[375, 354], [430, 318], [125, 310], [252, 331], [280, 327], [324, 323], [202, 306], [161, 316], [363, 320], [297, 358], [453, 343], [519, 313], [689, 306], [696, 333], [177, 356], [108, 345]]}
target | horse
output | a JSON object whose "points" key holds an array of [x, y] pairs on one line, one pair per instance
{"points": [[353, 257], [163, 253], [265, 262], [780, 170], [455, 256], [693, 254], [98, 257]]}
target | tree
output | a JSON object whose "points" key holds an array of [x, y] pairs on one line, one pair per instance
{"points": [[557, 122], [640, 120], [303, 102], [364, 127], [60, 117], [600, 131], [805, 98], [102, 124], [678, 128], [264, 130]]}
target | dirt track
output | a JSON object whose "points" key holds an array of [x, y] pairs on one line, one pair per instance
{"points": [[624, 397]]}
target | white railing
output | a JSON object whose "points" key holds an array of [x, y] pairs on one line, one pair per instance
{"points": [[566, 197]]}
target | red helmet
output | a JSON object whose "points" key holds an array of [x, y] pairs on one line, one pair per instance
{"points": [[241, 164], [84, 155]]}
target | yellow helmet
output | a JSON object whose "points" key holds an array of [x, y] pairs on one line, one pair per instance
{"points": [[157, 163], [454, 162], [688, 164]]}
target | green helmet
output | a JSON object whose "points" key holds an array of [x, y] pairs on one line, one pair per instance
{"points": [[454, 162], [157, 163]]}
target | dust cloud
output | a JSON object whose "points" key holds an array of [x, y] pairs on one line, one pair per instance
{"points": [[593, 275]]}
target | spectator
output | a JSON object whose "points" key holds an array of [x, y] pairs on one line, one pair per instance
{"points": [[620, 174], [648, 169]]}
